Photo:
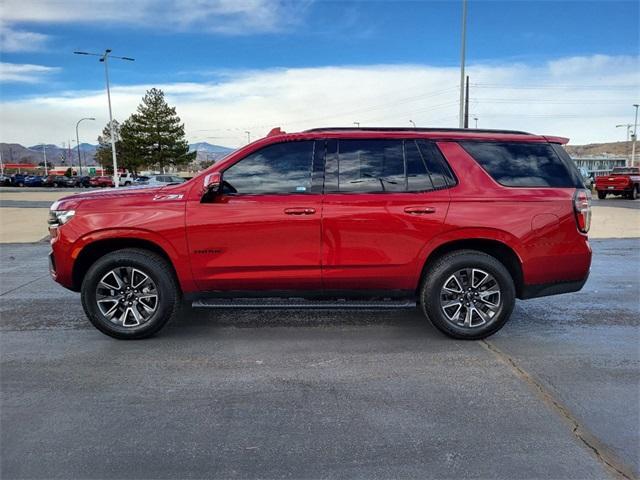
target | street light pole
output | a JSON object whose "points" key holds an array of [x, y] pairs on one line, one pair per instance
{"points": [[413, 123], [248, 136], [627, 126], [44, 156], [475, 119], [78, 141], [462, 61], [635, 136], [357, 124], [104, 59]]}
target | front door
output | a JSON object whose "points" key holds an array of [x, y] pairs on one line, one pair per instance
{"points": [[263, 231], [384, 200]]}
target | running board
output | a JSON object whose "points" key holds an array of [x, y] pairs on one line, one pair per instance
{"points": [[297, 303]]}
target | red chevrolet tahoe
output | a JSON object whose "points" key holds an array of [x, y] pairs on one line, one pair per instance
{"points": [[457, 222]]}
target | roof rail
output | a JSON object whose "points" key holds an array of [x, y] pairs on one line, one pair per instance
{"points": [[411, 129]]}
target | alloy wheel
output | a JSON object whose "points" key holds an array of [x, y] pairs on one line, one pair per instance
{"points": [[127, 296], [470, 298]]}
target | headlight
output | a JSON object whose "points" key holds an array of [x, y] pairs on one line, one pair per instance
{"points": [[60, 217]]}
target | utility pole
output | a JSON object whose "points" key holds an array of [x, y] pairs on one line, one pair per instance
{"points": [[44, 156], [104, 59], [463, 47], [78, 141], [635, 136], [466, 105]]}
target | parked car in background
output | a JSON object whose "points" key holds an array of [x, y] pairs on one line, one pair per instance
{"points": [[103, 181], [59, 181], [163, 180], [17, 179], [33, 181], [125, 180], [5, 180], [82, 181], [141, 180], [458, 223], [623, 181]]}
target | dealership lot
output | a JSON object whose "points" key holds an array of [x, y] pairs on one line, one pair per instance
{"points": [[322, 394]]}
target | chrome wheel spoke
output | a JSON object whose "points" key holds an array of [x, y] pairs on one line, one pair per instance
{"points": [[127, 296], [470, 298]]}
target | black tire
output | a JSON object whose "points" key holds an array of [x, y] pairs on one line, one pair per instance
{"points": [[602, 195], [442, 270], [152, 265], [634, 193]]}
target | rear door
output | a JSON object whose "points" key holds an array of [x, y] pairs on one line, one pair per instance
{"points": [[384, 200]]}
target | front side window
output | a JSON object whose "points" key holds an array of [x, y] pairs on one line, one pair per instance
{"points": [[275, 169]]}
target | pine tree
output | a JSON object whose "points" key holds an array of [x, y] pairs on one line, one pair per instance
{"points": [[155, 135], [103, 152], [127, 156]]}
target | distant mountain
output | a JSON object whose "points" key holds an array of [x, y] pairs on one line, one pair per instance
{"points": [[611, 148], [16, 153], [207, 152]]}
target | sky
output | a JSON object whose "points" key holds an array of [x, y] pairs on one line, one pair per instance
{"points": [[568, 68]]}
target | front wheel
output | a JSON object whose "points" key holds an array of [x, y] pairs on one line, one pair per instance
{"points": [[130, 294], [468, 294], [634, 193]]}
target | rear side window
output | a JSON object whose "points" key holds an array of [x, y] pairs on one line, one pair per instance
{"points": [[381, 165], [515, 164], [370, 166]]}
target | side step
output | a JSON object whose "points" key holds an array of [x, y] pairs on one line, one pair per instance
{"points": [[299, 303]]}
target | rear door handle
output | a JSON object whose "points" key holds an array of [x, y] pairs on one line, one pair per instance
{"points": [[300, 211], [419, 210]]}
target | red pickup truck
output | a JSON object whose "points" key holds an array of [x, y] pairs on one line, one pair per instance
{"points": [[623, 181], [457, 222]]}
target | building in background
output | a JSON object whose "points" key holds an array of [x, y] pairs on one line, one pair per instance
{"points": [[598, 165]]}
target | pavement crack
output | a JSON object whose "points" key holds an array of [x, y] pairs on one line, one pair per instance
{"points": [[23, 285], [602, 453]]}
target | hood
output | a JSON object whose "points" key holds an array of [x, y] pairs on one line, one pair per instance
{"points": [[71, 201]]}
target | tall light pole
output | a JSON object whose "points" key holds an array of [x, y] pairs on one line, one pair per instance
{"points": [[104, 59], [413, 123], [463, 47], [627, 126], [78, 141], [248, 136], [475, 119], [44, 157], [635, 136]]}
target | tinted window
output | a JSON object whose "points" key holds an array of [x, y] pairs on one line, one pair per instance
{"points": [[522, 164], [418, 178], [370, 166], [279, 168], [441, 174]]}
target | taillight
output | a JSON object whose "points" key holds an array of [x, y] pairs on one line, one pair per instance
{"points": [[582, 209]]}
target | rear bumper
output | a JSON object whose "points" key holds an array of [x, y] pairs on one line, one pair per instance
{"points": [[547, 289]]}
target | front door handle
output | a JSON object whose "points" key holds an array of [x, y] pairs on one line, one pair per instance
{"points": [[300, 211], [419, 210]]}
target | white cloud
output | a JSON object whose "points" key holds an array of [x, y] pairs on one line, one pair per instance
{"points": [[15, 40], [24, 72], [582, 98], [235, 17]]}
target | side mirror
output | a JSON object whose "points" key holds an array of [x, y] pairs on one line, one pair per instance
{"points": [[211, 184]]}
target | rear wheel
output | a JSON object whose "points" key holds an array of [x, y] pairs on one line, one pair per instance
{"points": [[468, 294], [602, 195], [130, 294], [634, 193]]}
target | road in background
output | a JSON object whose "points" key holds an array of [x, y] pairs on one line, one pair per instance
{"points": [[250, 394]]}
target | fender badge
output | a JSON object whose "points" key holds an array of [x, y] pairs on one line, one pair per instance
{"points": [[173, 196]]}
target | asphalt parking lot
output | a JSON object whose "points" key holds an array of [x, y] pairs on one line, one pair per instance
{"points": [[272, 394]]}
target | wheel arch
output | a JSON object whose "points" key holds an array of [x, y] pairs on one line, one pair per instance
{"points": [[98, 248], [496, 248]]}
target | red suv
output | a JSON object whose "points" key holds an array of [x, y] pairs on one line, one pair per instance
{"points": [[459, 222]]}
